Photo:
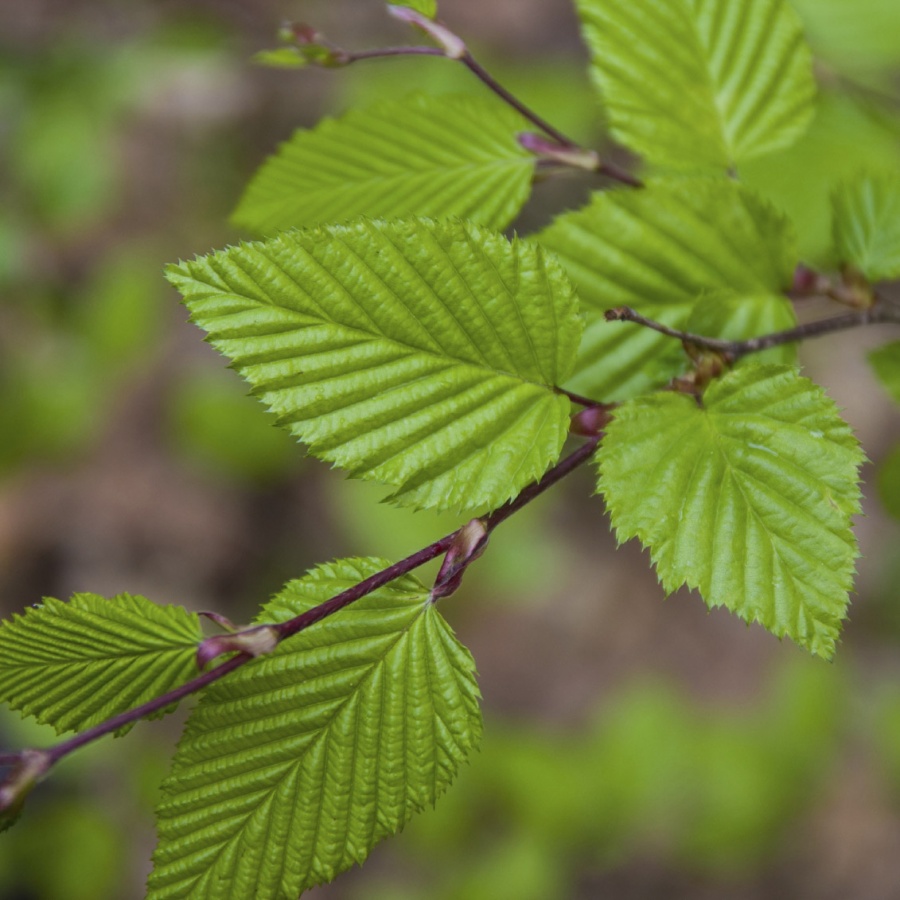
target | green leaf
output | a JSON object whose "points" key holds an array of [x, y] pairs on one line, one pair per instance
{"points": [[861, 38], [293, 768], [747, 498], [426, 7], [420, 354], [658, 250], [886, 363], [737, 317], [73, 665], [281, 58], [889, 482], [428, 156], [867, 225], [700, 82], [843, 139]]}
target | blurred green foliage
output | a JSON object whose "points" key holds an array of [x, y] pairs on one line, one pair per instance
{"points": [[85, 317]]}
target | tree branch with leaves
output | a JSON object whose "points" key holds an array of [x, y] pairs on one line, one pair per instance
{"points": [[390, 326]]}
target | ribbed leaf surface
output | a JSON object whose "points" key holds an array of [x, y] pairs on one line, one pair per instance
{"points": [[700, 82], [737, 317], [419, 354], [659, 250], [72, 665], [425, 155], [867, 225], [748, 498], [293, 768], [886, 363]]}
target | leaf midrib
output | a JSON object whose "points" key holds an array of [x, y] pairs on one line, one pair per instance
{"points": [[307, 321]]}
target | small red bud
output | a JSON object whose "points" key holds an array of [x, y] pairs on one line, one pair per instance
{"points": [[590, 422]]}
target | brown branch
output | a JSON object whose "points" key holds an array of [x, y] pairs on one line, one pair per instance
{"points": [[287, 629], [880, 314], [563, 150]]}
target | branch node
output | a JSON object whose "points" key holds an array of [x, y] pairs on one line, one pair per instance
{"points": [[591, 422], [620, 314], [468, 544], [252, 642], [552, 151], [453, 46]]}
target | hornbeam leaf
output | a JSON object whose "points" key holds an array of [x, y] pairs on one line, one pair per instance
{"points": [[747, 498], [416, 353], [658, 250], [737, 317], [701, 82], [867, 225], [885, 360], [294, 767], [429, 156], [73, 665]]}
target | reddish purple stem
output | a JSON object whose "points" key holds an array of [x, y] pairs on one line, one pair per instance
{"points": [[322, 611]]}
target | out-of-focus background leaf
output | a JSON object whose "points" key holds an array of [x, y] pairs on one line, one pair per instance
{"points": [[634, 748]]}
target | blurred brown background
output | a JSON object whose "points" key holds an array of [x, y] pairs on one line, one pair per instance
{"points": [[635, 747]]}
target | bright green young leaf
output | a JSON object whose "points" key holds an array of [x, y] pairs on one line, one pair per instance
{"points": [[293, 768], [747, 498], [419, 354], [658, 250], [692, 83], [886, 363], [281, 58], [867, 225], [426, 7], [737, 317], [73, 665], [428, 156]]}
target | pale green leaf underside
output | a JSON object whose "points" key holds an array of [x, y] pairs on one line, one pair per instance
{"points": [[700, 82], [427, 156], [293, 768], [72, 665], [658, 250], [419, 354], [748, 499], [867, 225], [886, 363]]}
